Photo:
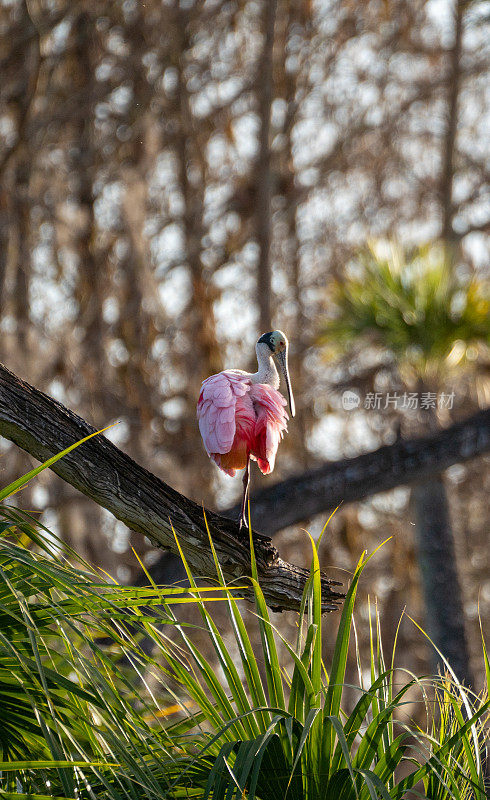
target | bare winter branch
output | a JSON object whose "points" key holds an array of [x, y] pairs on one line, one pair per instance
{"points": [[43, 427]]}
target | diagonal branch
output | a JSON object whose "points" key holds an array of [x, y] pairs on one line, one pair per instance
{"points": [[43, 427], [405, 462]]}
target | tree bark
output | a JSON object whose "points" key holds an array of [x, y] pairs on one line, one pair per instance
{"points": [[4, 243], [449, 142], [317, 491], [91, 275], [351, 479], [435, 539], [263, 167], [203, 356], [43, 427], [440, 582]]}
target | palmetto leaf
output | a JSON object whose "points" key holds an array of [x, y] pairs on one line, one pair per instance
{"points": [[412, 304], [337, 672], [14, 487], [72, 709]]}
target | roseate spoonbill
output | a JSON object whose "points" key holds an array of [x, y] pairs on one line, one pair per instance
{"points": [[241, 414]]}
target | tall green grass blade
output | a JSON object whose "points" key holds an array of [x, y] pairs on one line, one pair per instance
{"points": [[340, 786], [337, 672], [472, 750], [248, 660], [436, 759], [353, 724], [464, 699], [311, 698], [300, 678], [272, 667], [339, 661], [322, 533], [390, 778], [369, 744], [374, 785], [35, 796], [344, 746], [17, 766], [218, 779], [309, 722], [14, 487], [485, 658], [262, 760], [250, 666], [314, 700], [384, 695], [247, 656], [372, 661], [387, 764], [316, 662], [231, 674]]}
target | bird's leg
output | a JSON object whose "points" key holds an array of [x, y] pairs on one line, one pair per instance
{"points": [[242, 522]]}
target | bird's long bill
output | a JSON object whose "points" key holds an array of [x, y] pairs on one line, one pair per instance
{"points": [[282, 357]]}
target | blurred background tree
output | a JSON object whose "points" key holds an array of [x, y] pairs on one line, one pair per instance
{"points": [[173, 175], [430, 328]]}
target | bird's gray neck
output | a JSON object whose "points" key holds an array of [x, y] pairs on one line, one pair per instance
{"points": [[267, 372]]}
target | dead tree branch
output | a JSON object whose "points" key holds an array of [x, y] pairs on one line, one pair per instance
{"points": [[43, 427], [404, 462], [294, 500]]}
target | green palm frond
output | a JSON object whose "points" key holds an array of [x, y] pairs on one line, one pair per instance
{"points": [[413, 305], [76, 716], [85, 707]]}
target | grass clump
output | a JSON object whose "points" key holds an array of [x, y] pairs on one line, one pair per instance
{"points": [[85, 708]]}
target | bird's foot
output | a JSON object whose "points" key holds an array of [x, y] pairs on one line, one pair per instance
{"points": [[242, 523]]}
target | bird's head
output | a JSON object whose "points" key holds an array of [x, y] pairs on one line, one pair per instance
{"points": [[278, 344]]}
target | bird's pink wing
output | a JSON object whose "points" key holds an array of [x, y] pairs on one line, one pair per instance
{"points": [[271, 423], [216, 410]]}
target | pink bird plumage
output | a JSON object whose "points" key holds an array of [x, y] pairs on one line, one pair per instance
{"points": [[242, 416], [239, 419]]}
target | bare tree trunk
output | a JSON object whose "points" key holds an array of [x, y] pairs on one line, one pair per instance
{"points": [[437, 564], [140, 312], [435, 539], [19, 158], [4, 243], [20, 350], [192, 178], [91, 273], [263, 167], [289, 81], [16, 168], [449, 142], [22, 257], [204, 355], [441, 585], [89, 292], [440, 580]]}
